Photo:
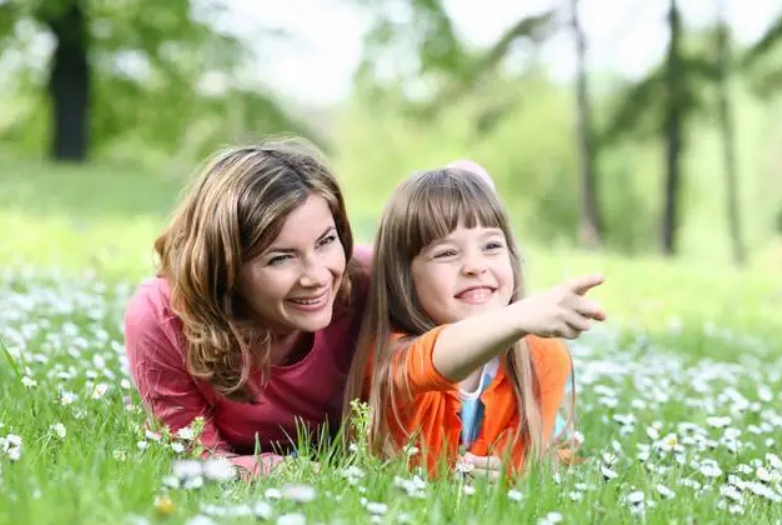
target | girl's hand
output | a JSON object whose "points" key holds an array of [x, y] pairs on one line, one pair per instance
{"points": [[480, 466], [561, 311]]}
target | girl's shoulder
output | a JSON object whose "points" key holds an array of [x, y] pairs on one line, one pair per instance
{"points": [[549, 354]]}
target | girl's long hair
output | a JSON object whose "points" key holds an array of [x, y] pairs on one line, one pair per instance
{"points": [[424, 208]]}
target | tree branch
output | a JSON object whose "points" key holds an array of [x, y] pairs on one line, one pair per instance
{"points": [[535, 28], [764, 45]]}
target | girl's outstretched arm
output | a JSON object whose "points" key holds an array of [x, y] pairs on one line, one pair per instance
{"points": [[561, 311]]}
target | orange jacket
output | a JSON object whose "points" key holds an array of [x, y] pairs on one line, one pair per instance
{"points": [[431, 413]]}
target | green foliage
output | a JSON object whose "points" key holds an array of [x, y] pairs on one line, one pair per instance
{"points": [[164, 81], [685, 341], [530, 151], [440, 49], [445, 69], [630, 119], [9, 13], [152, 104], [762, 62], [640, 106], [765, 44], [421, 30]]}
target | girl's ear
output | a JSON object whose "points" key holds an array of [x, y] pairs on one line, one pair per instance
{"points": [[473, 167]]}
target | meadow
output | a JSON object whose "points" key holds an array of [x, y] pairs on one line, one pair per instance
{"points": [[679, 393]]}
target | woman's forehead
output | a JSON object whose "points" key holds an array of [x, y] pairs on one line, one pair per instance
{"points": [[307, 222]]}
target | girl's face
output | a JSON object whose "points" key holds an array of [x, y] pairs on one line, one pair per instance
{"points": [[464, 273]]}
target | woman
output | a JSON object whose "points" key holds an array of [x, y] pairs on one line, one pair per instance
{"points": [[253, 318]]}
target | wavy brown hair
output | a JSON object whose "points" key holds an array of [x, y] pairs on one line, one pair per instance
{"points": [[426, 207], [234, 210]]}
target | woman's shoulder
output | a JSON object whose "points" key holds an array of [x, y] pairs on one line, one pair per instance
{"points": [[153, 333], [361, 264], [363, 254], [358, 272], [149, 307], [152, 294]]}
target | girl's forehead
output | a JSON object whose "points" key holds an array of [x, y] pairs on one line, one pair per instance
{"points": [[428, 228]]}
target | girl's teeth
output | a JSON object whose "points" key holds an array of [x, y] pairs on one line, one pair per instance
{"points": [[476, 295]]}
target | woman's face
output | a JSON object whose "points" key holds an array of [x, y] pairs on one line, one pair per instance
{"points": [[292, 284]]}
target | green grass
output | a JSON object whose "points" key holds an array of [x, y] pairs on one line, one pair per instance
{"points": [[685, 342], [102, 219]]}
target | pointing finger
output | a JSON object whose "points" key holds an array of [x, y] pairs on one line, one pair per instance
{"points": [[581, 285], [589, 309]]}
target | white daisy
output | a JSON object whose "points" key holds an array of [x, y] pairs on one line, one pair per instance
{"points": [[299, 493]]}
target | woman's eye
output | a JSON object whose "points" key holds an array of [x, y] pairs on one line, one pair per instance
{"points": [[279, 259], [328, 240]]}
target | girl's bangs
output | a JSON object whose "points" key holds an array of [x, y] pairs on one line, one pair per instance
{"points": [[445, 200]]}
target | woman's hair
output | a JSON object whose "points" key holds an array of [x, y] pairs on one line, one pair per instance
{"points": [[426, 207], [234, 210]]}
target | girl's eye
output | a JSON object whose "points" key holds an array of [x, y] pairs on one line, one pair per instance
{"points": [[494, 246], [445, 253]]}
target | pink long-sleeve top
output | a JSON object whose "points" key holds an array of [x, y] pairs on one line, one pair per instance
{"points": [[308, 391]]}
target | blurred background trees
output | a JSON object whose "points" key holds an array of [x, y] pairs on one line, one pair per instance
{"points": [[683, 160]]}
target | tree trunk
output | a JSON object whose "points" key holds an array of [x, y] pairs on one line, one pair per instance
{"points": [[727, 130], [590, 222], [673, 133], [69, 80]]}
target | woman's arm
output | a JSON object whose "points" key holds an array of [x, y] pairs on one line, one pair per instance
{"points": [[169, 392]]}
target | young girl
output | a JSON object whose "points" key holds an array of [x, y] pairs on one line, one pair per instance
{"points": [[460, 362]]}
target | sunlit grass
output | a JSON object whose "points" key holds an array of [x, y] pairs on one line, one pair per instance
{"points": [[680, 393], [672, 432]]}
